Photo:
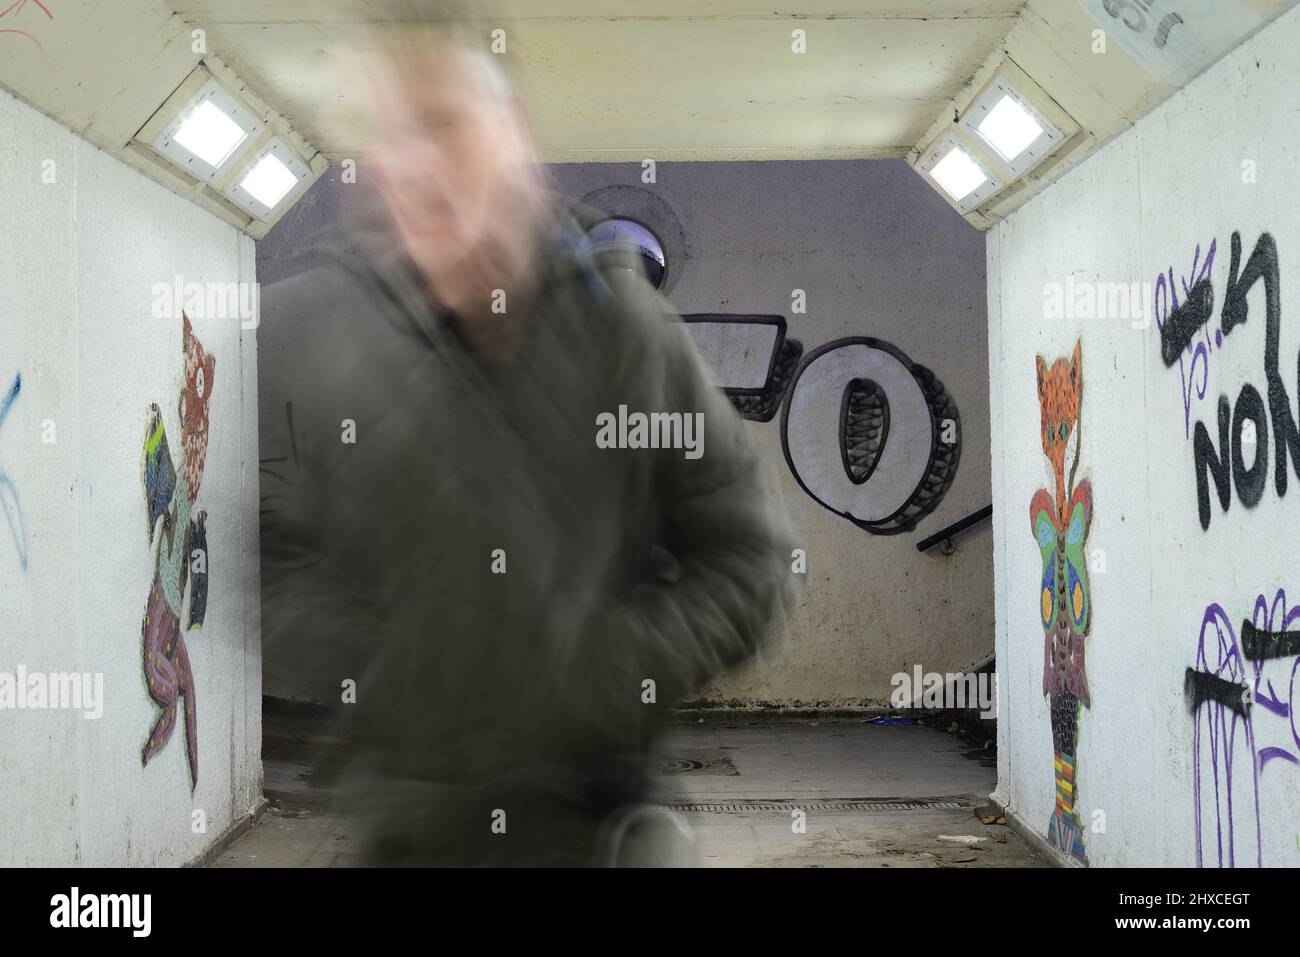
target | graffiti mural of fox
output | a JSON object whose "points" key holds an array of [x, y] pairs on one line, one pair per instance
{"points": [[1060, 523], [179, 534]]}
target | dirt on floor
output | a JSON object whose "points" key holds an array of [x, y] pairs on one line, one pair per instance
{"points": [[735, 791]]}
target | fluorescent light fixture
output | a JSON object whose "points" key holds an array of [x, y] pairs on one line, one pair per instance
{"points": [[268, 181], [210, 134], [1009, 128], [960, 170], [204, 129], [1018, 124], [214, 141], [269, 175], [958, 174]]}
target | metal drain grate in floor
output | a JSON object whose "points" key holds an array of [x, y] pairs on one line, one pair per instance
{"points": [[735, 806]]}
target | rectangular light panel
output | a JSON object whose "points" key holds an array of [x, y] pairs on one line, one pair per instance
{"points": [[958, 174], [210, 134], [268, 181], [1009, 128]]}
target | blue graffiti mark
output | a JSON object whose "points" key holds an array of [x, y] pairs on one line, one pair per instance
{"points": [[9, 506]]}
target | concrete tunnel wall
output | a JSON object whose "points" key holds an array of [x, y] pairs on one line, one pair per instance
{"points": [[82, 357], [877, 254], [1187, 754]]}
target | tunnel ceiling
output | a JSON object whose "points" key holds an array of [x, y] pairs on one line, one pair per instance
{"points": [[670, 80]]}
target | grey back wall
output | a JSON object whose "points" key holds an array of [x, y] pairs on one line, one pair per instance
{"points": [[877, 254]]}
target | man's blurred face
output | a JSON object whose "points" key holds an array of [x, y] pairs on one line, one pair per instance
{"points": [[449, 146]]}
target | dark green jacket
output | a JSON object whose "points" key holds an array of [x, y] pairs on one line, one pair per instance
{"points": [[524, 692]]}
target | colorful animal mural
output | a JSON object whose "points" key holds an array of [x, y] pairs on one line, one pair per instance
{"points": [[1060, 526], [182, 553]]}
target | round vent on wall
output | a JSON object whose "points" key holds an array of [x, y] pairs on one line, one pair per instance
{"points": [[645, 221], [619, 234]]}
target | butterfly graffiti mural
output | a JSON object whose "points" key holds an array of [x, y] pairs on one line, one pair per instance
{"points": [[179, 533], [1059, 523]]}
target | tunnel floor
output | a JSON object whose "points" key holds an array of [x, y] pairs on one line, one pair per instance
{"points": [[871, 796]]}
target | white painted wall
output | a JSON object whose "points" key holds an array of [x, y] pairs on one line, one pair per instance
{"points": [[1133, 212], [79, 258]]}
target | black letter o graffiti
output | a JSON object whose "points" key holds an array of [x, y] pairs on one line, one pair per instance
{"points": [[1249, 481], [862, 434]]}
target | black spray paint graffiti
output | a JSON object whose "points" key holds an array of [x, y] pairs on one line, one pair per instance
{"points": [[1226, 463], [1191, 360], [1204, 687], [1133, 14], [751, 356], [866, 433], [1244, 698], [883, 455], [1258, 644], [1173, 40]]}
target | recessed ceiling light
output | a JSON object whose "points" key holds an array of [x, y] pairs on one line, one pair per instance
{"points": [[268, 181], [203, 129], [210, 134], [958, 174], [1009, 128], [215, 136]]}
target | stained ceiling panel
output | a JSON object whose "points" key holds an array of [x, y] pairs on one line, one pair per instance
{"points": [[669, 79], [622, 80]]}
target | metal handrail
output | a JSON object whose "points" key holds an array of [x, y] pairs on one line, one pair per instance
{"points": [[974, 518]]}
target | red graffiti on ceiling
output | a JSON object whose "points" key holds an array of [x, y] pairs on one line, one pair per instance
{"points": [[16, 8]]}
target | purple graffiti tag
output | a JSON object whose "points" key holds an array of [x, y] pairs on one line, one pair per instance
{"points": [[1274, 616], [1166, 300], [1222, 667], [1267, 754], [1295, 732], [1218, 724]]}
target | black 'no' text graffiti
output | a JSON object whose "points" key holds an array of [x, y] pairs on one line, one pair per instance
{"points": [[1226, 462]]}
